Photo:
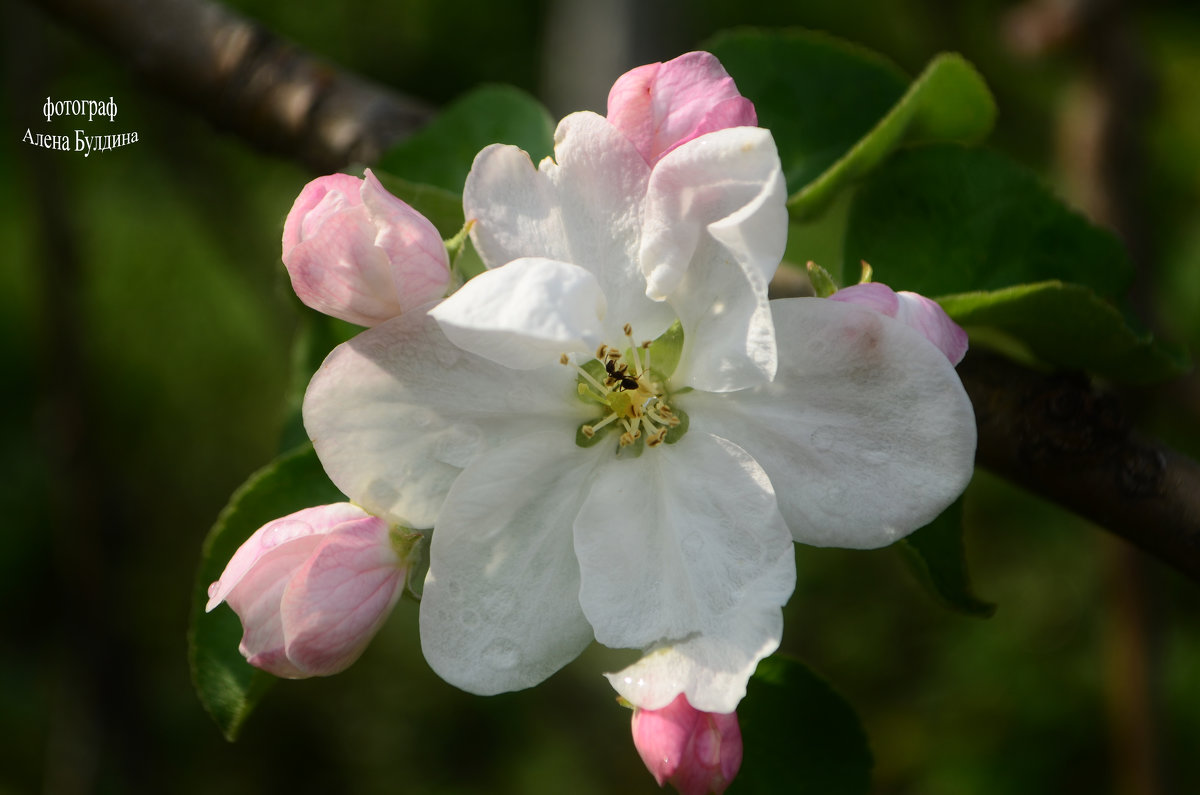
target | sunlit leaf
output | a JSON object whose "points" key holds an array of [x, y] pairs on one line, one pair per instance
{"points": [[1069, 326]]}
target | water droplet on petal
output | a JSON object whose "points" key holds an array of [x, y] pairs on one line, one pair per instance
{"points": [[447, 354], [823, 439], [457, 445], [420, 417], [876, 457], [693, 543], [502, 654]]}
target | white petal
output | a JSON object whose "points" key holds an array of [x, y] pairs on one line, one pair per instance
{"points": [[866, 431], [525, 314], [712, 668], [500, 609], [668, 543], [583, 207], [397, 412], [715, 231]]}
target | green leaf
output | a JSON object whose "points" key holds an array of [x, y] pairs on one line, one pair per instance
{"points": [[1067, 325], [817, 95], [226, 684], [316, 336], [837, 110], [944, 219], [442, 153], [800, 736], [949, 101], [935, 555]]}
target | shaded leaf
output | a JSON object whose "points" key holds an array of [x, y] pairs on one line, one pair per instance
{"points": [[228, 686], [949, 101], [817, 94], [441, 154], [936, 557], [837, 110], [316, 336], [800, 736], [944, 219], [1069, 326]]}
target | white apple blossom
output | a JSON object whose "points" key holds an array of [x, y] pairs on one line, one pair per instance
{"points": [[582, 484]]}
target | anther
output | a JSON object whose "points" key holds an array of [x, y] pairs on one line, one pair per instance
{"points": [[628, 330], [601, 351], [564, 359], [588, 431]]}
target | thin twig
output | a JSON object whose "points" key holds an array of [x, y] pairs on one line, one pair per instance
{"points": [[1063, 440]]}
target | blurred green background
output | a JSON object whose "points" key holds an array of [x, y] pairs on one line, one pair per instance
{"points": [[146, 323]]}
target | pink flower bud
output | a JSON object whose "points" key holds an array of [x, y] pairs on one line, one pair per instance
{"points": [[913, 310], [313, 588], [698, 752], [356, 252], [660, 106]]}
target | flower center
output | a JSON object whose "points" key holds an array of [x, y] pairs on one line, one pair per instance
{"points": [[632, 393]]}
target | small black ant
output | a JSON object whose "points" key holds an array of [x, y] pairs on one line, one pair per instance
{"points": [[620, 376]]}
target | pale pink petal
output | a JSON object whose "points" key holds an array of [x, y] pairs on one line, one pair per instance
{"points": [[662, 106], [334, 192], [355, 252], [420, 268], [872, 295], [256, 602], [913, 310], [927, 317], [309, 521], [291, 580], [339, 598]]}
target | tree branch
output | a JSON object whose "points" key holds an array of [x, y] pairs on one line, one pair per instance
{"points": [[1061, 439], [248, 81], [1051, 434]]}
